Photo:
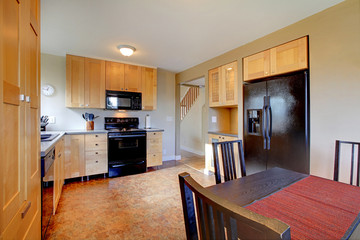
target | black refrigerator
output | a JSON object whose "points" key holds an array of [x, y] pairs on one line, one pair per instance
{"points": [[276, 123]]}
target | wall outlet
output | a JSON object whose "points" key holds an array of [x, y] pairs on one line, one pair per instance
{"points": [[52, 119], [213, 119]]}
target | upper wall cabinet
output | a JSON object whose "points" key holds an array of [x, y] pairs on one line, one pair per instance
{"points": [[85, 82], [123, 77], [223, 86], [149, 88], [288, 57]]}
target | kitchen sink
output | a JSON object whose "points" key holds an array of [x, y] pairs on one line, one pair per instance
{"points": [[46, 137]]}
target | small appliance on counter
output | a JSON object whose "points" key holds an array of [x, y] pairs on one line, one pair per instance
{"points": [[44, 120], [126, 146]]}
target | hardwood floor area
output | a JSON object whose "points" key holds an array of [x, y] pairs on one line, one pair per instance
{"points": [[142, 206]]}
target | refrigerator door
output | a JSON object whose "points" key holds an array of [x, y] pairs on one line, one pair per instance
{"points": [[288, 144], [254, 132]]}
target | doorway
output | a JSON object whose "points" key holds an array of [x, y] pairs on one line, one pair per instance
{"points": [[193, 113]]}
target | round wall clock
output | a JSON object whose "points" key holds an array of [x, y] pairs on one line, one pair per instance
{"points": [[47, 90]]}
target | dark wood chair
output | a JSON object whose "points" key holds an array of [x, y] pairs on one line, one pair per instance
{"points": [[338, 145], [217, 218], [228, 160]]}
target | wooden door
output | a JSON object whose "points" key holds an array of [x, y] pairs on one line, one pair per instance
{"points": [[256, 66], [214, 87], [12, 141], [74, 156], [149, 88], [114, 77], [32, 111], [132, 78], [75, 81], [230, 84], [289, 57], [94, 83]]}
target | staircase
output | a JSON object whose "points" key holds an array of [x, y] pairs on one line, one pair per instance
{"points": [[188, 100]]}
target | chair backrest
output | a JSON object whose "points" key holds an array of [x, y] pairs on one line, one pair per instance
{"points": [[217, 218], [229, 161], [338, 145]]}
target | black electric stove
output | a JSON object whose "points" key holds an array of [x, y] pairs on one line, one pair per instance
{"points": [[126, 146]]}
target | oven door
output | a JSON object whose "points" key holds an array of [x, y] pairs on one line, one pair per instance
{"points": [[127, 149]]}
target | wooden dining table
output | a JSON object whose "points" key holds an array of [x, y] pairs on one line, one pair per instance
{"points": [[313, 207]]}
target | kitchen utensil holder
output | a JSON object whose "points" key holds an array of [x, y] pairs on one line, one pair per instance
{"points": [[89, 125]]}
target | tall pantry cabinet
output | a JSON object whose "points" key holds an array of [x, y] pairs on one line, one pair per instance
{"points": [[20, 185]]}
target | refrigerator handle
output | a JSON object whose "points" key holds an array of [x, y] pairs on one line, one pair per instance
{"points": [[264, 126], [269, 118]]}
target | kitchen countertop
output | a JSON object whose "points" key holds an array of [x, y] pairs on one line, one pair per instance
{"points": [[47, 146], [224, 133]]}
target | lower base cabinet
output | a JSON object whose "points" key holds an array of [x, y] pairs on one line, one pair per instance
{"points": [[153, 149], [85, 155]]}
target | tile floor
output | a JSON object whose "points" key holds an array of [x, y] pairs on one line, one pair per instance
{"points": [[143, 206]]}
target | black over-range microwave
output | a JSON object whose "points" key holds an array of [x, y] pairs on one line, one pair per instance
{"points": [[117, 100]]}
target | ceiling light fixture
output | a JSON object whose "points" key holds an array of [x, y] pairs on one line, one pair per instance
{"points": [[126, 50]]}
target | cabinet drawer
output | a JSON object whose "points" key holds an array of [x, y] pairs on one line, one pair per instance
{"points": [[95, 138], [95, 146], [151, 135], [96, 155], [96, 166], [153, 159], [154, 145]]}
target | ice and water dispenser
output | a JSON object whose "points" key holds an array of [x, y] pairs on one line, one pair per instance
{"points": [[254, 121]]}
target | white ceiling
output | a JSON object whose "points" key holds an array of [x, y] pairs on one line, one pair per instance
{"points": [[170, 34]]}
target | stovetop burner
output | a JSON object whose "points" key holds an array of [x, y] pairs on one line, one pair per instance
{"points": [[122, 125]]}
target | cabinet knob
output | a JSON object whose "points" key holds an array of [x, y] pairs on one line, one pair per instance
{"points": [[96, 161], [96, 135], [266, 73], [122, 89], [81, 105], [96, 153], [22, 97], [87, 105], [96, 144], [28, 99], [126, 89]]}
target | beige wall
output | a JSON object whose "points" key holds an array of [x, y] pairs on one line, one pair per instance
{"points": [[191, 127], [53, 71], [334, 54]]}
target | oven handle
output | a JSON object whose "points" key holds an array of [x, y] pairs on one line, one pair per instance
{"points": [[122, 165], [127, 136]]}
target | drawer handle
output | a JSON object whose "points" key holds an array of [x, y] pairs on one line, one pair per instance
{"points": [[97, 161], [96, 135], [23, 214], [96, 153], [59, 155], [96, 144]]}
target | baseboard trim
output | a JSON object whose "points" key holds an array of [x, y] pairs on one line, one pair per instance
{"points": [[171, 157], [188, 149]]}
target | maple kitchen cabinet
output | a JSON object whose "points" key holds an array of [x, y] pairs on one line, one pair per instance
{"points": [[153, 149], [149, 88], [123, 77], [288, 57], [85, 154], [223, 86], [20, 175], [85, 82]]}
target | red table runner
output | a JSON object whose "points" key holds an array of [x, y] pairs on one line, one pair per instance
{"points": [[314, 208]]}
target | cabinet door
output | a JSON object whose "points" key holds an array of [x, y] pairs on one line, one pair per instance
{"points": [[58, 172], [114, 77], [132, 78], [289, 57], [74, 156], [257, 66], [12, 164], [153, 149], [214, 87], [229, 81], [94, 83], [149, 88], [75, 81]]}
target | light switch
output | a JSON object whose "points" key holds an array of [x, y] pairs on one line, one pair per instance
{"points": [[213, 119], [52, 119]]}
